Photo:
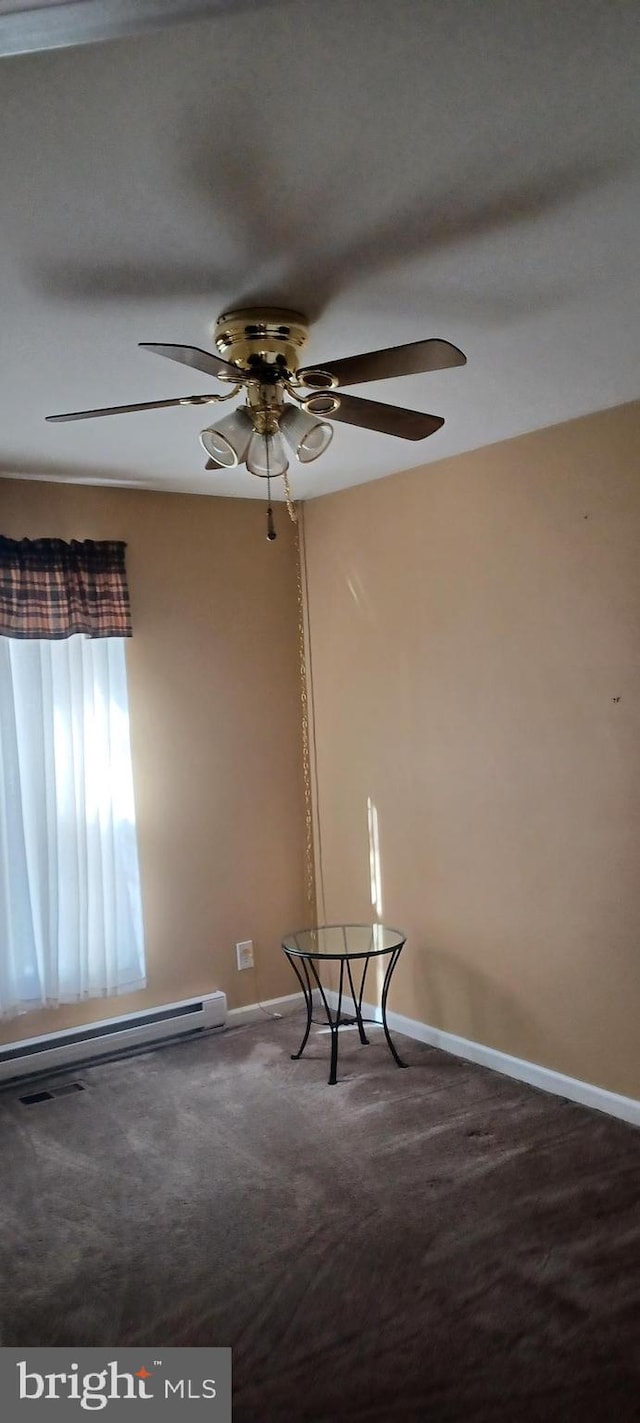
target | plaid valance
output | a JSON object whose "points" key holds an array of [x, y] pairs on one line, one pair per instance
{"points": [[52, 589]]}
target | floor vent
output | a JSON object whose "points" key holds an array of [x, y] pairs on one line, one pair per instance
{"points": [[47, 1094]]}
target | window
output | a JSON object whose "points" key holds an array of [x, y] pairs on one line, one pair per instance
{"points": [[70, 905], [70, 902]]}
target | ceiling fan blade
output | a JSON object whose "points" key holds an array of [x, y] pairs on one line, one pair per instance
{"points": [[123, 409], [371, 415], [205, 361], [417, 356]]}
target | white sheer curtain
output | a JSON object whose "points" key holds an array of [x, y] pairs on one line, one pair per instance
{"points": [[70, 904]]}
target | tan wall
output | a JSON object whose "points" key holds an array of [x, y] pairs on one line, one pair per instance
{"points": [[473, 625], [214, 703]]}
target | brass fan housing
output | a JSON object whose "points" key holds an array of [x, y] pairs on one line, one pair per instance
{"points": [[262, 336]]}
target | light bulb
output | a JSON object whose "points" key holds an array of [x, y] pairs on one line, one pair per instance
{"points": [[266, 456], [308, 435], [228, 441]]}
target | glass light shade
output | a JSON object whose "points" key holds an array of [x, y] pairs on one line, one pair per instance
{"points": [[227, 442], [308, 435], [266, 456]]}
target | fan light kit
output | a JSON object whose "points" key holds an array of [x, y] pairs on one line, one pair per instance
{"points": [[286, 404]]}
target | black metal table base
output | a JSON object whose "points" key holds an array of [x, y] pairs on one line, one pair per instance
{"points": [[338, 1019]]}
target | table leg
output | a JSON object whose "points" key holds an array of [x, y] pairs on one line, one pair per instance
{"points": [[385, 994], [357, 1002], [306, 989], [334, 1022]]}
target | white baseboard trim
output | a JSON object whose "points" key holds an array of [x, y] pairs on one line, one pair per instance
{"points": [[270, 1008], [586, 1093]]}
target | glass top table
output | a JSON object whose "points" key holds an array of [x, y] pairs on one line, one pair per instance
{"points": [[347, 945]]}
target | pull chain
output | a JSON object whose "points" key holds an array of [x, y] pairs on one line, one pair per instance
{"points": [[271, 528], [304, 720], [293, 513]]}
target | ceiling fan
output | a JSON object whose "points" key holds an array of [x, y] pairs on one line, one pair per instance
{"points": [[260, 350]]}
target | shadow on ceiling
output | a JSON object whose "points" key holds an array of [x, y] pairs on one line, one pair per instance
{"points": [[298, 241]]}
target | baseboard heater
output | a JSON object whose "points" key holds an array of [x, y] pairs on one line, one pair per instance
{"points": [[111, 1036]]}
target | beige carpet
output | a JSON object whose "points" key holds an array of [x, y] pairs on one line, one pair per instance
{"points": [[437, 1244]]}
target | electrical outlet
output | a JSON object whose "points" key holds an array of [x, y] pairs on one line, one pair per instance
{"points": [[244, 954]]}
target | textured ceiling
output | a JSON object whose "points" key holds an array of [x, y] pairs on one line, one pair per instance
{"points": [[397, 169]]}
